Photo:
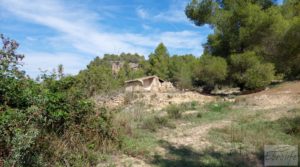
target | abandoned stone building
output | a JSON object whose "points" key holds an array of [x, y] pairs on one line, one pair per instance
{"points": [[148, 84]]}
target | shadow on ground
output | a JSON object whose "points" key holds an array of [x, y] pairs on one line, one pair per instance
{"points": [[185, 156]]}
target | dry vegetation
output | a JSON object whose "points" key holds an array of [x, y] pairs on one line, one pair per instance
{"points": [[215, 133], [87, 120]]}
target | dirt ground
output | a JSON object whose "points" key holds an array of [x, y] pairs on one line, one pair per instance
{"points": [[275, 102], [154, 100], [282, 95]]}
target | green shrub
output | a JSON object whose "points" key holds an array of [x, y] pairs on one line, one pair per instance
{"points": [[294, 110], [23, 148], [259, 76], [129, 97], [51, 120], [19, 139], [249, 72], [212, 70], [174, 111], [150, 124], [218, 107], [188, 106], [105, 125], [240, 63], [156, 122], [199, 115], [139, 145]]}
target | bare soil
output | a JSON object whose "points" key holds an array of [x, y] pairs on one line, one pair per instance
{"points": [[282, 95], [274, 102]]}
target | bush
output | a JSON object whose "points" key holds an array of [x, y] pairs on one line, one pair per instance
{"points": [[249, 72], [212, 70], [19, 139], [97, 79], [218, 107], [156, 122], [188, 106], [240, 63], [151, 124], [259, 76], [174, 111], [50, 121]]}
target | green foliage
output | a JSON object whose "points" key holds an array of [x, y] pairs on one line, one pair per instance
{"points": [[99, 76], [9, 59], [126, 57], [254, 132], [37, 116], [19, 138], [259, 76], [156, 122], [238, 24], [32, 113], [15, 89], [126, 73], [240, 63], [139, 145], [97, 79], [182, 70], [174, 111], [260, 26], [105, 125], [218, 107], [249, 72], [288, 56], [200, 12], [212, 70], [159, 62]]}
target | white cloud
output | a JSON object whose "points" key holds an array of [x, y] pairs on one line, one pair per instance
{"points": [[146, 27], [28, 38], [36, 61], [75, 26], [83, 30], [142, 13], [175, 13]]}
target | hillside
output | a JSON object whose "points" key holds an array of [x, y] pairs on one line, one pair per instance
{"points": [[147, 83], [218, 133]]}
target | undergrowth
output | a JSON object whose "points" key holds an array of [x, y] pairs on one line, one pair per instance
{"points": [[251, 134]]}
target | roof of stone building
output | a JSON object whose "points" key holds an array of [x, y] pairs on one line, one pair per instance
{"points": [[144, 78]]}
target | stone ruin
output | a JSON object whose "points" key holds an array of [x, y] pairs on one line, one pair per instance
{"points": [[148, 84]]}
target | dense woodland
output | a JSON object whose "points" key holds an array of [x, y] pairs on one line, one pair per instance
{"points": [[254, 43]]}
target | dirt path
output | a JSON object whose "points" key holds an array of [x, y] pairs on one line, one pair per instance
{"points": [[187, 135], [283, 95], [189, 141]]}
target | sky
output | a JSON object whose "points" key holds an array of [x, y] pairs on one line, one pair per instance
{"points": [[74, 32]]}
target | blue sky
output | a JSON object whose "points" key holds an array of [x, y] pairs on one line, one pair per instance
{"points": [[73, 32]]}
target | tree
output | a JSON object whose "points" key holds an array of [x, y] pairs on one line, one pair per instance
{"points": [[159, 62], [10, 61], [238, 24], [287, 58], [261, 26], [259, 76], [181, 70], [15, 89], [60, 71], [248, 71], [211, 71], [239, 64], [97, 79]]}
